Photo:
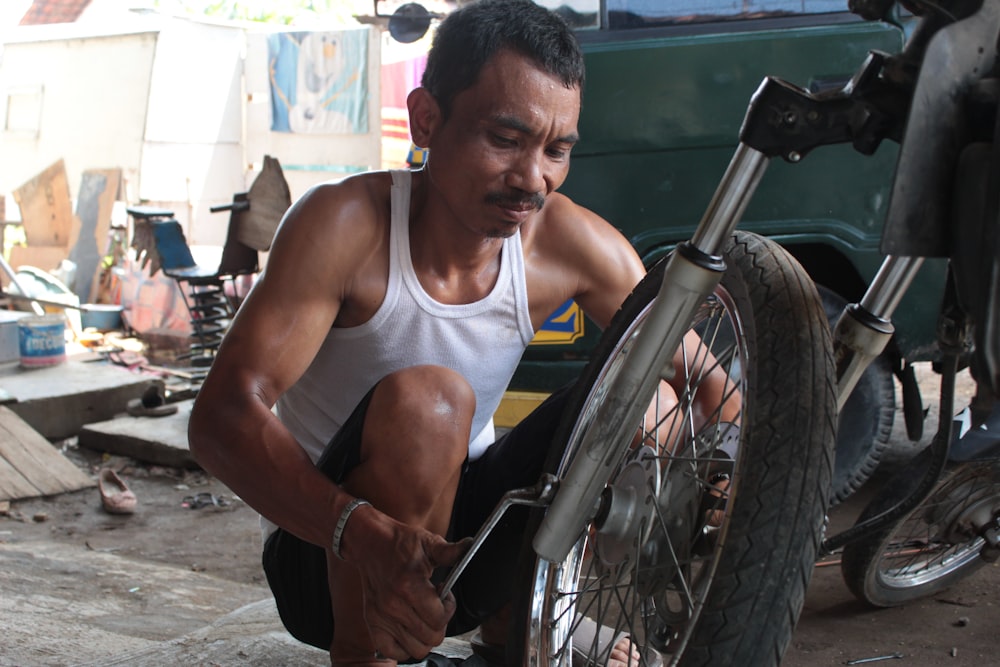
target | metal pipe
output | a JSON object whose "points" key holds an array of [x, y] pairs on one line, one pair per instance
{"points": [[864, 329], [730, 199], [539, 495], [890, 284]]}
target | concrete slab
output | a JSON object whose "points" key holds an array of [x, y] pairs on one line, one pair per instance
{"points": [[129, 605], [250, 635], [57, 401], [139, 614], [158, 440]]}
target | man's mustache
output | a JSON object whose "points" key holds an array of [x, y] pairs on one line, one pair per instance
{"points": [[516, 201]]}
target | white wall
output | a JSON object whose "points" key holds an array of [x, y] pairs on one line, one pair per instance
{"points": [[192, 156], [91, 96]]}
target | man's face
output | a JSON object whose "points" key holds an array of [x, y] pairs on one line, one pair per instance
{"points": [[506, 145]]}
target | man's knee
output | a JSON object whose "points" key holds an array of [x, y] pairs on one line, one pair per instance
{"points": [[428, 390], [425, 409]]}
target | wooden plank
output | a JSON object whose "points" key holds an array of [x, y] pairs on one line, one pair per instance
{"points": [[46, 209], [113, 192], [13, 484], [36, 461]]}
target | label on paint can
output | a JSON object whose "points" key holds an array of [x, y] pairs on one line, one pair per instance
{"points": [[42, 340]]}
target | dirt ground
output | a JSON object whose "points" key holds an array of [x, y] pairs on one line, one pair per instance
{"points": [[222, 539]]}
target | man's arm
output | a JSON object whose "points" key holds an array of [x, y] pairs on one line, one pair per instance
{"points": [[607, 269], [328, 240], [574, 253], [233, 433]]}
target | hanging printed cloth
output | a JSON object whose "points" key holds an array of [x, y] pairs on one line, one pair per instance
{"points": [[319, 81]]}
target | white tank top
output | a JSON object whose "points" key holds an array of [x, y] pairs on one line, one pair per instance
{"points": [[483, 341]]}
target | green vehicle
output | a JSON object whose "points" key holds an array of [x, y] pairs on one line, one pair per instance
{"points": [[668, 82]]}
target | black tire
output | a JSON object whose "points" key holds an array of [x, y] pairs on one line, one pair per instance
{"points": [[746, 576], [864, 426], [935, 546]]}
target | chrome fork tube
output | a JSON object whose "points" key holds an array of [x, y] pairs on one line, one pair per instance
{"points": [[864, 329]]}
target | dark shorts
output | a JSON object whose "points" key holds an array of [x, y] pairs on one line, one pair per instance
{"points": [[296, 570]]}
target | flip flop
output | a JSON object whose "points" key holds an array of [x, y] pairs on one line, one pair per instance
{"points": [[361, 661], [116, 497], [587, 635], [152, 404]]}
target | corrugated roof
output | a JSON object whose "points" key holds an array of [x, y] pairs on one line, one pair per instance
{"points": [[53, 11]]}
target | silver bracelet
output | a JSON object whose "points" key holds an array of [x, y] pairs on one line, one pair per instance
{"points": [[338, 532]]}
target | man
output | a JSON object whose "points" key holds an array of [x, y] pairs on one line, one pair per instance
{"points": [[391, 316]]}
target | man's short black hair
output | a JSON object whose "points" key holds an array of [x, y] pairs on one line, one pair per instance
{"points": [[468, 37]]}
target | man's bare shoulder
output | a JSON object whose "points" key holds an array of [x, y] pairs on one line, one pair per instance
{"points": [[331, 232], [349, 205], [571, 252], [565, 228]]}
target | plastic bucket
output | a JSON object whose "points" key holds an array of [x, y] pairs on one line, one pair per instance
{"points": [[42, 340]]}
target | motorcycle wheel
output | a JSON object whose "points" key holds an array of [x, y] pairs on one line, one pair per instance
{"points": [[935, 546], [686, 589]]}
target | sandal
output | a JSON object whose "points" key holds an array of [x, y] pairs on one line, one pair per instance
{"points": [[376, 659], [587, 636], [116, 497], [152, 404]]}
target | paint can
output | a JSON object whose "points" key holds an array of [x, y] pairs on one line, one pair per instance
{"points": [[42, 340]]}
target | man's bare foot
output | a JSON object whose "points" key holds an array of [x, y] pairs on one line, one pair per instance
{"points": [[624, 654]]}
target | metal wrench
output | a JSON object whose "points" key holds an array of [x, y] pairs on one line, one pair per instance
{"points": [[539, 495]]}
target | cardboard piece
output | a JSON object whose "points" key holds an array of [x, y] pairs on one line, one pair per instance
{"points": [[269, 198], [46, 208]]}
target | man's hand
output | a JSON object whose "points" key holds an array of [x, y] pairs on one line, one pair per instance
{"points": [[404, 610]]}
